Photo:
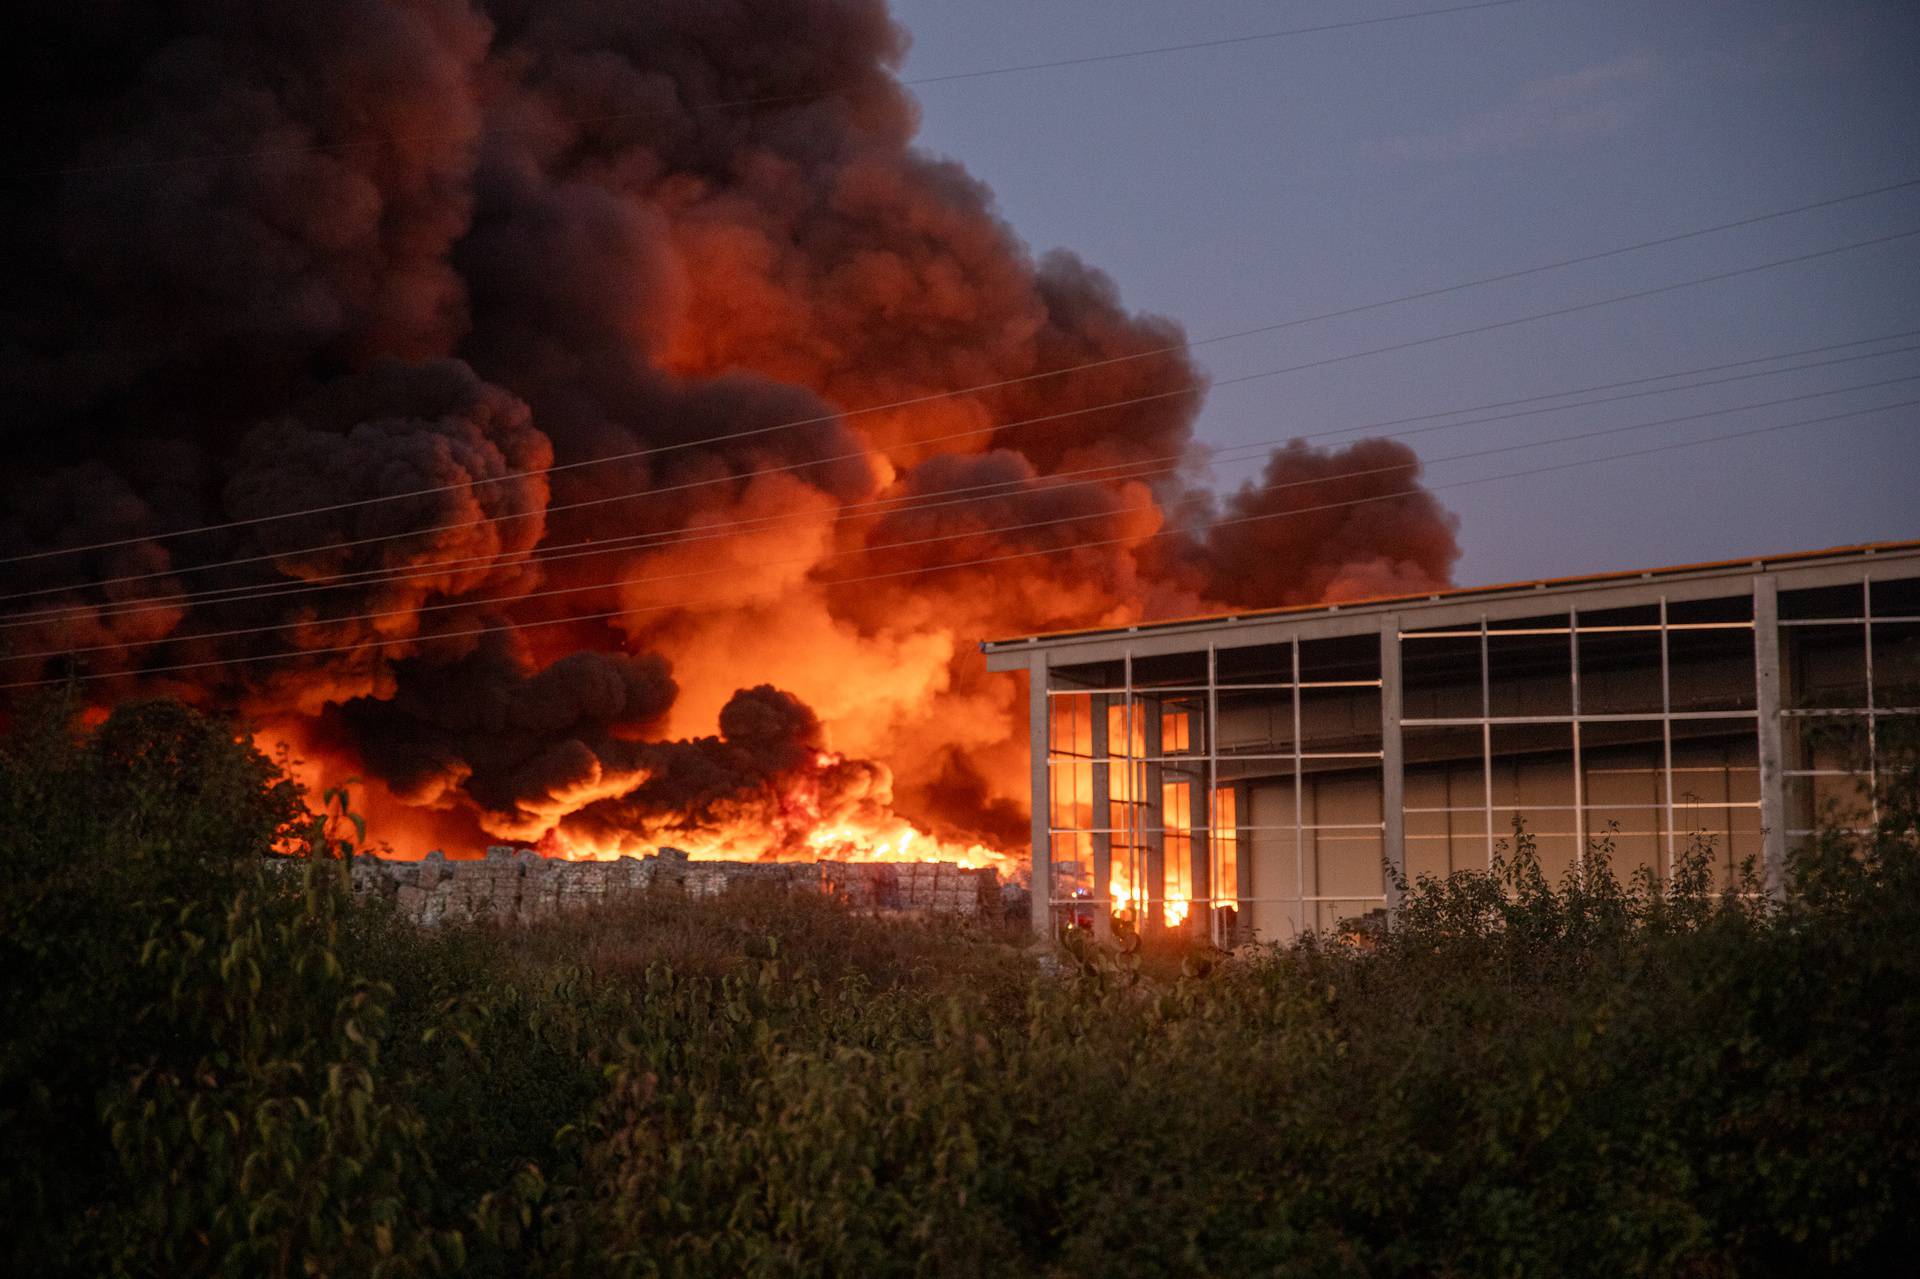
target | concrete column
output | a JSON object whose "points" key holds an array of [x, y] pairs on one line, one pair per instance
{"points": [[1039, 723], [1200, 862], [1392, 759], [1153, 776], [1773, 790], [1243, 853], [1102, 816]]}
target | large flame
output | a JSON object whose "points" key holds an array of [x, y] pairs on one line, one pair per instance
{"points": [[802, 832]]}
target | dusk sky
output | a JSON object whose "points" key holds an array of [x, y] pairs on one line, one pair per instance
{"points": [[1249, 184]]}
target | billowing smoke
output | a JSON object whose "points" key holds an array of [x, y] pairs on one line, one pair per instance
{"points": [[280, 256]]}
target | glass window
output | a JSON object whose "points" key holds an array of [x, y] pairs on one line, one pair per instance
{"points": [[1623, 763], [1340, 720], [1440, 676], [1826, 743], [1087, 675], [1225, 833], [1640, 616], [1619, 672], [1896, 597], [1176, 809], [1711, 670], [1176, 731], [1255, 722], [1171, 670], [1732, 608], [1819, 802], [1070, 724], [1255, 664], [1532, 767], [1824, 601], [1530, 672], [1896, 665], [1346, 657], [1826, 666], [1460, 748], [1717, 769], [1070, 795]]}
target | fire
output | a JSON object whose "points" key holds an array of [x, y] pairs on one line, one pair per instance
{"points": [[892, 839], [720, 430], [1129, 903], [807, 822]]}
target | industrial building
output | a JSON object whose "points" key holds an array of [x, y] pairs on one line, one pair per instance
{"points": [[1265, 773]]}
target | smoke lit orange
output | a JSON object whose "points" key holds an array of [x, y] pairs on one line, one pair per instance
{"points": [[696, 239]]}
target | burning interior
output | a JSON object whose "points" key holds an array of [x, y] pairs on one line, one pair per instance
{"points": [[1255, 777]]}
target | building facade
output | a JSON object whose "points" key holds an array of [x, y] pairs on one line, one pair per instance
{"points": [[1265, 773]]}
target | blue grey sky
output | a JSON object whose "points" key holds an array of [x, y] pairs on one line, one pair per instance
{"points": [[1243, 185]]}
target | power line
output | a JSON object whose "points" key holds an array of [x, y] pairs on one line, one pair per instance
{"points": [[991, 428], [614, 117], [933, 397], [1106, 474], [974, 563], [1414, 465]]}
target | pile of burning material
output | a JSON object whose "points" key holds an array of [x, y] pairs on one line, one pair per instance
{"points": [[519, 885]]}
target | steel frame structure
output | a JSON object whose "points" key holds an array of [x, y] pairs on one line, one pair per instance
{"points": [[1126, 839]]}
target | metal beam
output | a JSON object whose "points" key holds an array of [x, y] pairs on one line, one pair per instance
{"points": [[1445, 609], [1392, 763], [1041, 862], [1766, 674], [1102, 770]]}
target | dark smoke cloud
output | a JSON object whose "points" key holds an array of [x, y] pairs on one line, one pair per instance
{"points": [[766, 771], [1346, 535], [515, 742], [279, 255]]}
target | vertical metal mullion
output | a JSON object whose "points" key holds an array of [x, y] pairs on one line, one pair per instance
{"points": [[1766, 678], [1393, 816], [1486, 735], [1210, 727], [1299, 788], [1153, 811], [1666, 731], [1040, 859], [1579, 773], [1133, 797], [1873, 720], [1100, 777]]}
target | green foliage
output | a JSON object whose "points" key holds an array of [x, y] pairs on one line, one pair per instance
{"points": [[1517, 1076], [264, 1139], [97, 828]]}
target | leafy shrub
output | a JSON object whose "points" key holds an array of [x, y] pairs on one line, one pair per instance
{"points": [[156, 803], [1516, 1076]]}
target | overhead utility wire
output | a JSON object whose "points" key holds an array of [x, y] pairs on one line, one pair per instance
{"points": [[989, 428], [932, 397], [1415, 465], [974, 563], [1113, 472], [613, 117]]}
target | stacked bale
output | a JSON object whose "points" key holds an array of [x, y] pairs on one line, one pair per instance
{"points": [[942, 888], [864, 885], [517, 885], [540, 881]]}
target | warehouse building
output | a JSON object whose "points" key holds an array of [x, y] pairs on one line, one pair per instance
{"points": [[1265, 773]]}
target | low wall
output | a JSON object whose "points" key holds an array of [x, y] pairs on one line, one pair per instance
{"points": [[518, 885]]}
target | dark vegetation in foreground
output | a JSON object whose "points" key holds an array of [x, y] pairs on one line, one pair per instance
{"points": [[209, 1068]]}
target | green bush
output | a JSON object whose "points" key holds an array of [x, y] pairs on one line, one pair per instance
{"points": [[96, 829], [242, 1070]]}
